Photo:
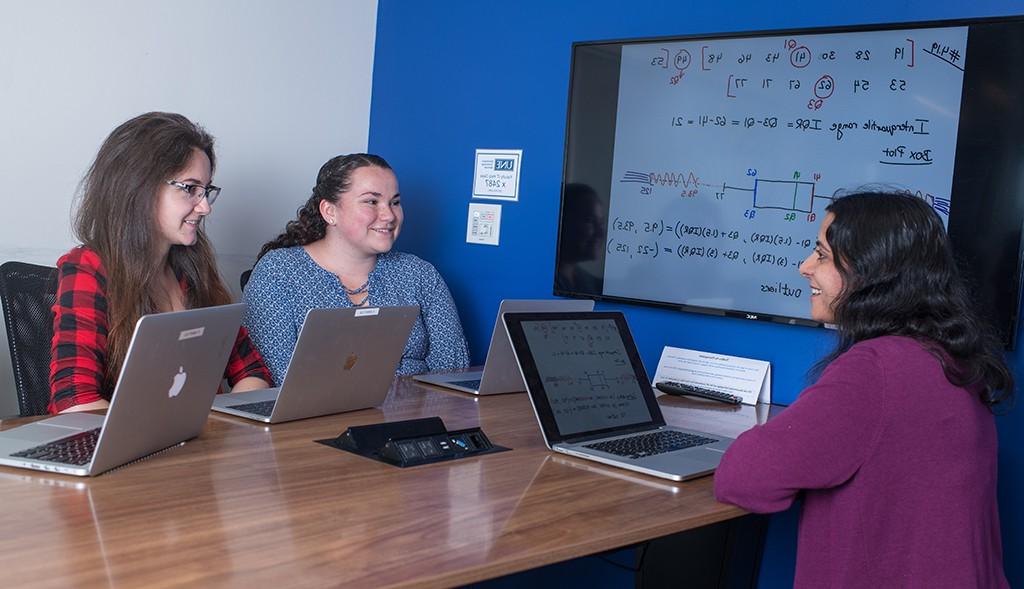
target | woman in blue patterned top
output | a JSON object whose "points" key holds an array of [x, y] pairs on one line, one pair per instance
{"points": [[337, 253]]}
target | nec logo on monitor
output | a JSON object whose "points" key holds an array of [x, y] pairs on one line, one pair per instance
{"points": [[505, 164]]}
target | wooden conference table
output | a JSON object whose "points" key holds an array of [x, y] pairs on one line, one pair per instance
{"points": [[249, 505]]}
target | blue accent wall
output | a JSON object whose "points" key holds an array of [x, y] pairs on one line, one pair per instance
{"points": [[451, 77]]}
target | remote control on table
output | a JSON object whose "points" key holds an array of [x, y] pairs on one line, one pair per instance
{"points": [[681, 388]]}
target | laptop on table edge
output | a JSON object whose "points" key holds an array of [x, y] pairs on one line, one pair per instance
{"points": [[593, 400], [171, 373], [344, 360], [501, 373]]}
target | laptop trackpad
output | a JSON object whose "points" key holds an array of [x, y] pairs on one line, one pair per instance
{"points": [[55, 428], [693, 459], [41, 432], [256, 396]]}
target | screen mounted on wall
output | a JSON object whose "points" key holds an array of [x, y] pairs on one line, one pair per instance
{"points": [[697, 169]]}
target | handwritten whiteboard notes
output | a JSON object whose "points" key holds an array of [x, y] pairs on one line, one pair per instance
{"points": [[728, 150]]}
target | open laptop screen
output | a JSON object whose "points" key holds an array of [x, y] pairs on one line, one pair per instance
{"points": [[583, 373]]}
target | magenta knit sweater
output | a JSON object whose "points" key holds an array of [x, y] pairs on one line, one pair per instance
{"points": [[897, 470]]}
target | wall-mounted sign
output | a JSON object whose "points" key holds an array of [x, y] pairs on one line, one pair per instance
{"points": [[496, 173]]}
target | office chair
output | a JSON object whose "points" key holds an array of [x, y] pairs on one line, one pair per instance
{"points": [[244, 278], [27, 293]]}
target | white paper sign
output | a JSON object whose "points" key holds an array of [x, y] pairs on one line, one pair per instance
{"points": [[750, 379], [496, 173]]}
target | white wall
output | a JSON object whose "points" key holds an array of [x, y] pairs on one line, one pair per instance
{"points": [[283, 86]]}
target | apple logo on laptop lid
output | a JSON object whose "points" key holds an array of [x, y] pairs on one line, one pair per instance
{"points": [[350, 361], [178, 382]]}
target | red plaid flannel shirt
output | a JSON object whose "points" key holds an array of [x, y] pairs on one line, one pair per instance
{"points": [[79, 349]]}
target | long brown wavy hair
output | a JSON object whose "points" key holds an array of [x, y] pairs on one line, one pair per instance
{"points": [[116, 218], [334, 178]]}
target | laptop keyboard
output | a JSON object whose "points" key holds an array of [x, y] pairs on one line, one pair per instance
{"points": [[264, 408], [469, 384], [651, 444], [76, 449]]}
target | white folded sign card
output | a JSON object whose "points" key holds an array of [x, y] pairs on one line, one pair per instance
{"points": [[748, 378]]}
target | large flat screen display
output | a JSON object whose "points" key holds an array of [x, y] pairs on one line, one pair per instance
{"points": [[697, 169]]}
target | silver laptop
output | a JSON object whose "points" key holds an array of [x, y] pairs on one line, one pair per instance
{"points": [[344, 360], [593, 400], [174, 365], [500, 373]]}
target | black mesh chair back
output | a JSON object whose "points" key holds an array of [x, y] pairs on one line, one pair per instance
{"points": [[28, 292], [244, 278]]}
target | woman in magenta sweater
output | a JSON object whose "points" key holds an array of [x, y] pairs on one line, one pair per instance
{"points": [[893, 449]]}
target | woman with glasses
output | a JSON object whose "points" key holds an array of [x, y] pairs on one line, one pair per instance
{"points": [[893, 449], [140, 221], [338, 253]]}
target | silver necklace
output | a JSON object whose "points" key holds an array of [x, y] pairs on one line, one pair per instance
{"points": [[355, 291]]}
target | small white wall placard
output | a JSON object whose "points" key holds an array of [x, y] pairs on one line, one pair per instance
{"points": [[484, 223], [750, 379], [496, 173]]}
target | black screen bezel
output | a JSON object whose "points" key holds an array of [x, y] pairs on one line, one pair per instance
{"points": [[988, 158]]}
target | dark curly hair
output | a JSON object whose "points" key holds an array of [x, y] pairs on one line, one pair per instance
{"points": [[900, 278], [334, 177]]}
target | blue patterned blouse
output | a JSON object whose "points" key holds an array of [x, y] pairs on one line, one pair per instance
{"points": [[287, 282]]}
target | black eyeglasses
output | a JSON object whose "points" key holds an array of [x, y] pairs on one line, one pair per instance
{"points": [[196, 192]]}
